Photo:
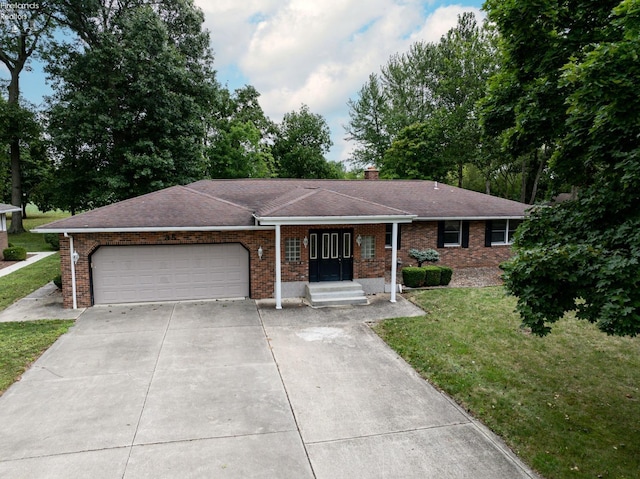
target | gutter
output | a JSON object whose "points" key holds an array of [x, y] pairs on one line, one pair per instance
{"points": [[149, 229], [468, 218], [73, 256], [333, 220]]}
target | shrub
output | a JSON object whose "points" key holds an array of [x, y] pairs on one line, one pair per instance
{"points": [[445, 275], [413, 277], [58, 281], [53, 239], [424, 255], [15, 253], [432, 275]]}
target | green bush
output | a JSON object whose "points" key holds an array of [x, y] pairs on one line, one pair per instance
{"points": [[445, 275], [15, 253], [53, 239], [425, 255], [413, 277], [58, 281], [432, 275]]}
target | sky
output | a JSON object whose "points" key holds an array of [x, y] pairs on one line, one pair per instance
{"points": [[314, 52]]}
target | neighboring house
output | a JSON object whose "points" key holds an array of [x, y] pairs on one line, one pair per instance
{"points": [[4, 238], [268, 238]]}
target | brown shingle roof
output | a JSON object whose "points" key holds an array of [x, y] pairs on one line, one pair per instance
{"points": [[229, 203]]}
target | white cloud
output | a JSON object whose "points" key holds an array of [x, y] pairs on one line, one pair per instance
{"points": [[317, 53]]}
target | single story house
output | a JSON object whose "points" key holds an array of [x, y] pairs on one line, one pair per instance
{"points": [[4, 237], [271, 238]]}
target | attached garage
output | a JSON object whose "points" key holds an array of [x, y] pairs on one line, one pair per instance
{"points": [[130, 274]]}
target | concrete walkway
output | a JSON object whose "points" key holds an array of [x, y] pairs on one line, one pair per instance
{"points": [[27, 262], [231, 390]]}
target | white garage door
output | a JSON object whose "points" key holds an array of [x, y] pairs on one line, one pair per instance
{"points": [[129, 274]]}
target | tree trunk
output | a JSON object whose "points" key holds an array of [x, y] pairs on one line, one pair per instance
{"points": [[460, 173], [537, 179], [523, 182], [487, 186], [16, 173]]}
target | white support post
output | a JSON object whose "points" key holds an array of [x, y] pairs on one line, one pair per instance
{"points": [[278, 271], [73, 271], [394, 260]]}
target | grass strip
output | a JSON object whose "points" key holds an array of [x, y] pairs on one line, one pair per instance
{"points": [[26, 280], [568, 404], [21, 343]]}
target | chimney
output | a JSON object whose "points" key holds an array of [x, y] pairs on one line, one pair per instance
{"points": [[371, 173]]}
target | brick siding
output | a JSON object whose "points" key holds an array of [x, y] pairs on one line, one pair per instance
{"points": [[420, 235], [424, 235]]}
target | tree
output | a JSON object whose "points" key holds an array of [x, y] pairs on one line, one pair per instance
{"points": [[301, 141], [22, 33], [237, 140], [434, 85], [584, 255], [22, 123], [130, 105]]}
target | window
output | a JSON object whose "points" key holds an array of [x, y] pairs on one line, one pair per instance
{"points": [[313, 246], [388, 236], [368, 247], [502, 231], [452, 233], [346, 245], [292, 249]]}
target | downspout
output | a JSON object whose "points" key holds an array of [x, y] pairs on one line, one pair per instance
{"points": [[394, 260], [278, 271], [73, 257]]}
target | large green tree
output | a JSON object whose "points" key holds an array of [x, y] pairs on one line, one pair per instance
{"points": [[584, 255], [301, 142], [131, 100], [237, 138], [24, 29], [433, 88]]}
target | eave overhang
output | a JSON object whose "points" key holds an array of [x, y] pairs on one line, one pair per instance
{"points": [[333, 220]]}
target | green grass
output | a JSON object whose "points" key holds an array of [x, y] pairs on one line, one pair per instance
{"points": [[22, 343], [35, 218], [568, 404], [26, 280]]}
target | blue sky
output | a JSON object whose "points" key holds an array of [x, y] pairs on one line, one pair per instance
{"points": [[306, 51]]}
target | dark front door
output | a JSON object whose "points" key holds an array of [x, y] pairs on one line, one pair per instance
{"points": [[331, 255]]}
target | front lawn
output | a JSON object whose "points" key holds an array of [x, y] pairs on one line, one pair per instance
{"points": [[35, 218], [26, 280], [568, 404], [22, 343]]}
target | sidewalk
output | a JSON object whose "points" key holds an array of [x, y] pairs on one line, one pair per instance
{"points": [[27, 262]]}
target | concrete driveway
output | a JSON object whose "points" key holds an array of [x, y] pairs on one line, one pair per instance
{"points": [[235, 390]]}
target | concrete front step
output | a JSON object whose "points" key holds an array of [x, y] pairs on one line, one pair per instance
{"points": [[338, 293]]}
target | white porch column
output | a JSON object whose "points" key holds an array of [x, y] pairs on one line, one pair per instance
{"points": [[278, 270], [394, 260]]}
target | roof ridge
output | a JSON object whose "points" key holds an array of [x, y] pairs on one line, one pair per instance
{"points": [[214, 198], [274, 205], [367, 201]]}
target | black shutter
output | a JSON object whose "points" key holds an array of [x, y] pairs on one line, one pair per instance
{"points": [[440, 234], [487, 234], [465, 234]]}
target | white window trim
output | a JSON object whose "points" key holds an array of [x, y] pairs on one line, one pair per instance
{"points": [[459, 243], [509, 240]]}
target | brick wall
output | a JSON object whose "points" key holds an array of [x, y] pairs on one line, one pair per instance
{"points": [[262, 274], [262, 270], [424, 235], [362, 268]]}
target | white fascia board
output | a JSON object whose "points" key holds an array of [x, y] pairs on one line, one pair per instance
{"points": [[468, 218], [150, 229], [333, 220], [11, 210]]}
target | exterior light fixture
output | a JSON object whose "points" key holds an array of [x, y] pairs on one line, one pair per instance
{"points": [[305, 242], [359, 240], [75, 256], [260, 252]]}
